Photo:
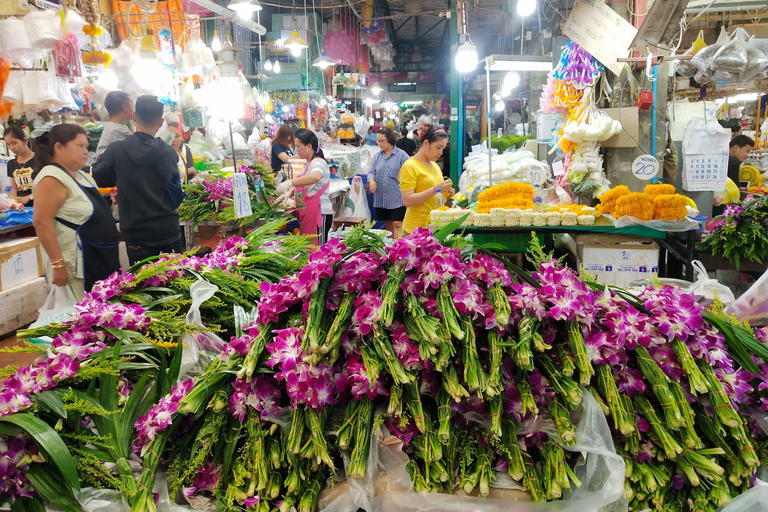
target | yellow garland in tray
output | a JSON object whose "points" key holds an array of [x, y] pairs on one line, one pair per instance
{"points": [[608, 200], [578, 209], [661, 189], [512, 202], [503, 190], [669, 206], [634, 204]]}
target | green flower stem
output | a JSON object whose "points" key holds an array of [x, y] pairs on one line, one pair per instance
{"points": [[473, 370], [515, 463], [565, 427], [315, 316], [663, 438], [493, 384], [258, 344], [688, 430], [610, 391], [316, 422], [500, 303], [659, 382], [390, 292], [695, 378], [567, 363], [443, 415], [719, 398], [579, 349], [339, 325], [447, 308], [413, 396], [568, 390]]}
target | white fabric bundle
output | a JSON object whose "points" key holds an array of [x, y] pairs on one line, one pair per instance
{"points": [[30, 83], [43, 28], [14, 40], [14, 89]]}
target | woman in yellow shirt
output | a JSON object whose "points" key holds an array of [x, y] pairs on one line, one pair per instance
{"points": [[420, 179]]}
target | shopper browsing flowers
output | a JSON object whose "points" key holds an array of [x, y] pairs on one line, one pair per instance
{"points": [[421, 178], [384, 182], [312, 201], [72, 219]]}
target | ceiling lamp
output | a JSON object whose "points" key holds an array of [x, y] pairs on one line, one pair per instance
{"points": [[376, 89], [466, 57], [216, 42], [354, 85], [276, 67], [416, 55], [244, 8], [341, 79], [370, 102], [323, 61], [295, 44], [412, 7], [500, 106], [526, 7], [268, 65], [229, 67]]}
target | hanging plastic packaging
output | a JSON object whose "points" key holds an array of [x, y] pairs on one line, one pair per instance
{"points": [[43, 28], [67, 58], [14, 89], [685, 67], [14, 41], [732, 56], [195, 357], [752, 305]]}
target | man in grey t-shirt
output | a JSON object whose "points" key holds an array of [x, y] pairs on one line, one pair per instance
{"points": [[119, 105]]}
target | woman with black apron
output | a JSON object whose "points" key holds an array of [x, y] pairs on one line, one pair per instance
{"points": [[73, 221]]}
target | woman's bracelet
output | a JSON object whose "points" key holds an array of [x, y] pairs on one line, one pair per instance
{"points": [[57, 267], [58, 263]]}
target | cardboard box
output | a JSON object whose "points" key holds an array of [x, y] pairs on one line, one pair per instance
{"points": [[20, 262], [19, 305], [619, 264]]}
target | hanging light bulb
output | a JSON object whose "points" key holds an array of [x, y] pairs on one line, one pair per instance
{"points": [[500, 106], [526, 7], [276, 67], [295, 51], [216, 42], [323, 61], [244, 8], [376, 89], [511, 80], [295, 43], [268, 65], [466, 57]]}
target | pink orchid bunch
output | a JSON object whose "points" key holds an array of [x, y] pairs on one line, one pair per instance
{"points": [[359, 384], [488, 270], [469, 299], [366, 313], [567, 297], [116, 285], [206, 479], [16, 452], [220, 191], [357, 274], [261, 393], [227, 255], [406, 350], [159, 417], [409, 252], [236, 345], [107, 315], [443, 265], [675, 313]]}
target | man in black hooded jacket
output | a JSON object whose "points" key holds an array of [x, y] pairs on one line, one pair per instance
{"points": [[145, 170]]}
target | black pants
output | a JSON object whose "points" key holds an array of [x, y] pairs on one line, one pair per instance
{"points": [[323, 231], [138, 252]]}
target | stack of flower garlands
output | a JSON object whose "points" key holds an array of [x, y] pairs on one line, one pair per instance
{"points": [[213, 201], [570, 91], [506, 195], [657, 202], [68, 421], [740, 233]]}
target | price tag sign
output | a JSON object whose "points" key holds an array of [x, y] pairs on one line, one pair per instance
{"points": [[645, 167], [557, 168], [241, 197], [537, 174]]}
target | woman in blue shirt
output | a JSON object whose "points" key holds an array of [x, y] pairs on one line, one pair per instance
{"points": [[383, 181], [281, 147]]}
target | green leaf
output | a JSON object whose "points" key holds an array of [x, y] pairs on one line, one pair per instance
{"points": [[49, 441], [44, 479], [50, 401], [446, 230], [134, 407], [27, 505]]}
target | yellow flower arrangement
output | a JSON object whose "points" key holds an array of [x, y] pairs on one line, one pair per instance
{"points": [[97, 58], [503, 190], [93, 30], [669, 206], [608, 200], [634, 204], [578, 209], [508, 203], [659, 190]]}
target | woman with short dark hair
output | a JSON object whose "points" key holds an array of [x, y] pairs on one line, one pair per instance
{"points": [[384, 182], [282, 147]]}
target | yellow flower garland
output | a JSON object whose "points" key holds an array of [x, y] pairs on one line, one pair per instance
{"points": [[634, 204], [503, 190]]}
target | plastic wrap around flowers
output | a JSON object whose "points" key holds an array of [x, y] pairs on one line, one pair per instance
{"points": [[577, 66]]}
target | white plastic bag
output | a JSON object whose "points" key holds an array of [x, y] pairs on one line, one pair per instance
{"points": [[195, 358], [752, 306], [754, 500], [672, 226], [356, 204], [601, 475], [58, 306], [709, 288]]}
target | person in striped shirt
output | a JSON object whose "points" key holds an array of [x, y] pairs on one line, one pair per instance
{"points": [[384, 182]]}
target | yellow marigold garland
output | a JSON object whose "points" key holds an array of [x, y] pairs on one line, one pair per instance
{"points": [[634, 204], [506, 202], [669, 206], [608, 200], [661, 189], [503, 190]]}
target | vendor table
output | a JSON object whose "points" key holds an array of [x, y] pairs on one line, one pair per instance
{"points": [[15, 227], [681, 246]]}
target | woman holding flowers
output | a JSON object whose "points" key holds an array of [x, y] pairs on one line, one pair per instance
{"points": [[312, 201], [72, 219], [421, 178]]}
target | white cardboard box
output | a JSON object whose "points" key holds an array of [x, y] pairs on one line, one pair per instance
{"points": [[19, 305], [620, 264], [20, 262]]}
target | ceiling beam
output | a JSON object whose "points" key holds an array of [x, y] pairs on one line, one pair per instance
{"points": [[433, 27]]}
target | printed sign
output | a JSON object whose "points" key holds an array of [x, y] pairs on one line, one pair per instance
{"points": [[401, 87], [645, 167], [47, 4], [601, 31], [537, 174], [705, 172], [241, 197], [545, 125]]}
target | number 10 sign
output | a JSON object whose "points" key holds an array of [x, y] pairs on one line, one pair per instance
{"points": [[645, 167]]}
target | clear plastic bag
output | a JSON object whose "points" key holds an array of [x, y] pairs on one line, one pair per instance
{"points": [[709, 288], [732, 56], [671, 226], [685, 67], [196, 356], [356, 204], [754, 500], [101, 500], [58, 306], [752, 305], [601, 475]]}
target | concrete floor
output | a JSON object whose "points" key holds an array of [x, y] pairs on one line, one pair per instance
{"points": [[19, 359]]}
